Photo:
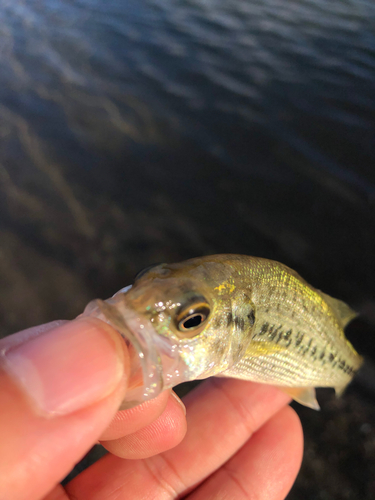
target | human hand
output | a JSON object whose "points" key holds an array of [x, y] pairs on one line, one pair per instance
{"points": [[60, 387]]}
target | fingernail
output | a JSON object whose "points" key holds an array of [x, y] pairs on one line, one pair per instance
{"points": [[69, 367], [179, 401]]}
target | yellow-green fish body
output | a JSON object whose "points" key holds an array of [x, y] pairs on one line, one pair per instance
{"points": [[244, 317]]}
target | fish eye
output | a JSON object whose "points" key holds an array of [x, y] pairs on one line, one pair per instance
{"points": [[192, 317], [145, 270]]}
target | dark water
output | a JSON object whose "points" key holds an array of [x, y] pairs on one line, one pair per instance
{"points": [[148, 131]]}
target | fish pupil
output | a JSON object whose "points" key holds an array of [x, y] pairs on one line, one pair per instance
{"points": [[193, 321], [192, 316]]}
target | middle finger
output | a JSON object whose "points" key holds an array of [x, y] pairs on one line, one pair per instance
{"points": [[222, 414]]}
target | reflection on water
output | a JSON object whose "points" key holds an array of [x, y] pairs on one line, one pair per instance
{"points": [[148, 131], [143, 131]]}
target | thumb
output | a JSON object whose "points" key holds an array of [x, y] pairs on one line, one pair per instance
{"points": [[59, 389]]}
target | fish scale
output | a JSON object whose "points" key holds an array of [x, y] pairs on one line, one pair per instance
{"points": [[287, 303], [235, 316]]}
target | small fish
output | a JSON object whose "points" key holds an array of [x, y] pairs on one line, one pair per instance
{"points": [[233, 316]]}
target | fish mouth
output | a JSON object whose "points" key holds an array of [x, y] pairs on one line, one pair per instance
{"points": [[156, 363]]}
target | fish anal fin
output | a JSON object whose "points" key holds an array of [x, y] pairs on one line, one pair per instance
{"points": [[344, 313], [340, 390], [304, 395]]}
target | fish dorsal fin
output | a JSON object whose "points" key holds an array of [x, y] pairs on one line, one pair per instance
{"points": [[343, 312], [304, 395]]}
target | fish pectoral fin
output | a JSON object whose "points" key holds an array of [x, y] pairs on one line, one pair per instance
{"points": [[262, 348], [343, 312], [304, 395]]}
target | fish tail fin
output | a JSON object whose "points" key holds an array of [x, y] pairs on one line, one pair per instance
{"points": [[304, 395]]}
